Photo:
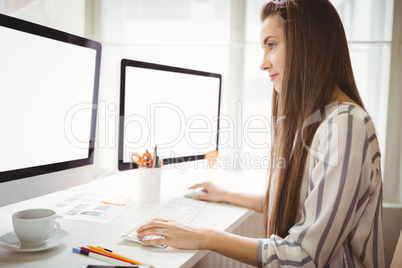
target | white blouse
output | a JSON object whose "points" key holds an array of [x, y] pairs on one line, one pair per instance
{"points": [[339, 221]]}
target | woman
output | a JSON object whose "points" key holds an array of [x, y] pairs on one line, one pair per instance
{"points": [[324, 207]]}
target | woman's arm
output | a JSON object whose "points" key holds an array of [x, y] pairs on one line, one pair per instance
{"points": [[240, 248], [216, 194], [185, 236]]}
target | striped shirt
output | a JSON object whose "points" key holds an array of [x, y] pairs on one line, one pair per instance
{"points": [[339, 220]]}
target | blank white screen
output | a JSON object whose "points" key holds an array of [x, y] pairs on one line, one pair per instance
{"points": [[46, 90], [176, 111]]}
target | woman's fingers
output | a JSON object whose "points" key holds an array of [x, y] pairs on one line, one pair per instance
{"points": [[160, 220], [212, 192], [154, 242], [154, 223], [156, 227], [199, 185], [173, 234], [152, 231], [205, 197]]}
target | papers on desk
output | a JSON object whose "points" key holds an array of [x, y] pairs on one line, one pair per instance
{"points": [[91, 207]]}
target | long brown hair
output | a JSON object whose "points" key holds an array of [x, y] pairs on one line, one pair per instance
{"points": [[317, 61]]}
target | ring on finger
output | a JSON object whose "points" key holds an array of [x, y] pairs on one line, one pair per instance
{"points": [[161, 231]]}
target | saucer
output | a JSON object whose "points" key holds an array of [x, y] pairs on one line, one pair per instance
{"points": [[11, 242]]}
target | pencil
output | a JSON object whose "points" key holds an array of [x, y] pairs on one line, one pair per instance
{"points": [[155, 157], [108, 251], [114, 255], [96, 251], [99, 257]]}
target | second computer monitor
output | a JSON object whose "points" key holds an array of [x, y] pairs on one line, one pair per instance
{"points": [[174, 108]]}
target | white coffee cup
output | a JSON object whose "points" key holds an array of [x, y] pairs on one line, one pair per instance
{"points": [[150, 184], [34, 227]]}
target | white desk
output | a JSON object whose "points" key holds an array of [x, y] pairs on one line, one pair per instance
{"points": [[217, 216]]}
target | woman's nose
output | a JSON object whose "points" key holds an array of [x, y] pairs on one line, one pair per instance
{"points": [[265, 64]]}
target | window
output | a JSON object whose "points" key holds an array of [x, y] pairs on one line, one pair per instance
{"points": [[198, 34], [64, 15], [190, 34], [368, 27]]}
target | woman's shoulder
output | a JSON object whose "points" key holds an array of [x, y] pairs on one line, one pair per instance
{"points": [[348, 120], [346, 129], [346, 109], [349, 114], [345, 119]]}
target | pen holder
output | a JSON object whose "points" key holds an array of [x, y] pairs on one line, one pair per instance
{"points": [[150, 184]]}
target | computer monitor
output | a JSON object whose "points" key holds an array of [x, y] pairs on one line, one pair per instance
{"points": [[49, 84], [174, 108]]}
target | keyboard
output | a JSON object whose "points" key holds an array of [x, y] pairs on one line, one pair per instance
{"points": [[180, 209]]}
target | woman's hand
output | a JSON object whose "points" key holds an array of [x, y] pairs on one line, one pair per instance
{"points": [[212, 192], [216, 194], [183, 236], [177, 235]]}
